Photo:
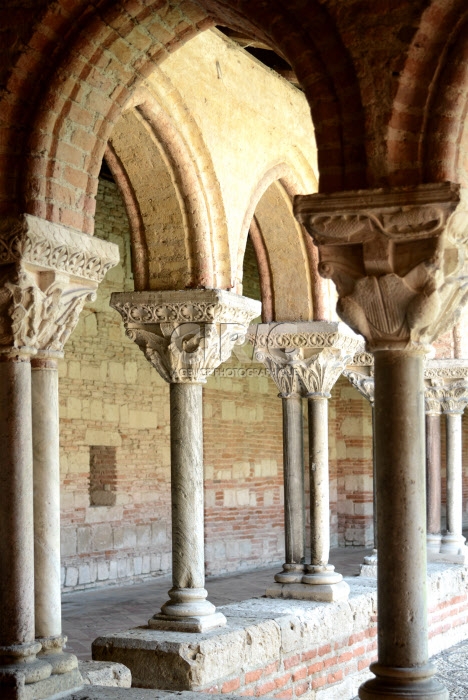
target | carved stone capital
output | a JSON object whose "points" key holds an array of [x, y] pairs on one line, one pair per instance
{"points": [[446, 387], [397, 257], [304, 358], [186, 334], [362, 381], [47, 273]]}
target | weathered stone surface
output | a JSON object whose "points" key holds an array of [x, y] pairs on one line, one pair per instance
{"points": [[100, 693], [105, 674]]}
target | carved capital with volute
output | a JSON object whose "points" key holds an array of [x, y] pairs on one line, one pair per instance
{"points": [[446, 386], [396, 256], [186, 334], [305, 358], [360, 373], [47, 273]]}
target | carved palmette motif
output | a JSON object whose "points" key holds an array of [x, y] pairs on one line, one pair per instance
{"points": [[293, 373], [397, 257], [37, 242], [451, 397]]}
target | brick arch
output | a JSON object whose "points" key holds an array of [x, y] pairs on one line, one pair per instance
{"points": [[423, 121], [446, 137], [82, 62], [293, 184], [162, 131]]}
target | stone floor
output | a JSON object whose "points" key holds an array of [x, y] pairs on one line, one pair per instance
{"points": [[89, 614]]}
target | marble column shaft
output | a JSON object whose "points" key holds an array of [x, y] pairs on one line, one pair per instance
{"points": [[454, 538], [17, 633], [433, 479], [293, 469], [188, 560], [46, 498], [401, 498], [46, 470], [319, 481]]}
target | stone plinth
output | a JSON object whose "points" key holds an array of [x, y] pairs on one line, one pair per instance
{"points": [[277, 645]]}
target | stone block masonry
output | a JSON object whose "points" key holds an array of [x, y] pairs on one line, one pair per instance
{"points": [[284, 648]]}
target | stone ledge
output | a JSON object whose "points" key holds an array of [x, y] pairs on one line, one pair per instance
{"points": [[111, 675], [100, 693], [321, 650]]}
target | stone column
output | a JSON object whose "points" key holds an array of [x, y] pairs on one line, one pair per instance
{"points": [[306, 358], [280, 363], [453, 406], [397, 259], [433, 471], [293, 474], [361, 376], [19, 664], [318, 379], [46, 274], [185, 335]]}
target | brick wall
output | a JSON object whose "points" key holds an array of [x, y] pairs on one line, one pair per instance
{"points": [[112, 401]]}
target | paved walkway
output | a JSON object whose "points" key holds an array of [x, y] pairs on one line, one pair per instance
{"points": [[92, 613]]}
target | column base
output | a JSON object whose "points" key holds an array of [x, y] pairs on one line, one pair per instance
{"points": [[14, 687], [21, 659], [197, 623], [433, 542], [52, 652], [187, 611], [320, 592], [369, 567], [404, 683], [453, 544], [292, 573], [321, 575]]}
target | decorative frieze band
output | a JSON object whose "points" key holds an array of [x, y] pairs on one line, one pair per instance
{"points": [[42, 244], [184, 306]]}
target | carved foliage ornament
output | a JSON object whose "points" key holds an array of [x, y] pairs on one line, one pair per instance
{"points": [[185, 335], [32, 319], [37, 242], [364, 383], [396, 256], [187, 352], [451, 397], [293, 373]]}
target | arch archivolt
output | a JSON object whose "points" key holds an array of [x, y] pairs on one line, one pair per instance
{"points": [[286, 256]]}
